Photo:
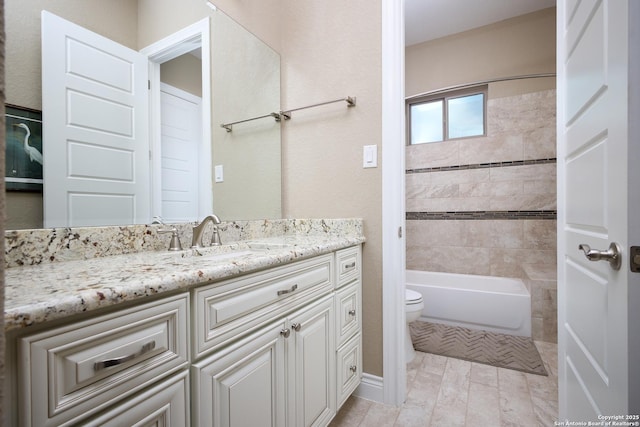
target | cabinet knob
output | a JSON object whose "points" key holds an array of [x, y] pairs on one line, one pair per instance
{"points": [[285, 332], [349, 266], [296, 326], [353, 368], [352, 312]]}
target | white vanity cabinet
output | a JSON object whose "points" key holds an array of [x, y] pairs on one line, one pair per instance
{"points": [[279, 347], [279, 360], [66, 375], [348, 300], [281, 375]]}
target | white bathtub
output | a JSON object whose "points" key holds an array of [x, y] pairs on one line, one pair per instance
{"points": [[495, 304]]}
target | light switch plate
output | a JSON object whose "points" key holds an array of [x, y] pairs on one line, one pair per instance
{"points": [[370, 156], [219, 173]]}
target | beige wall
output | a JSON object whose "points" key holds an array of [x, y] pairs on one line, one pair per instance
{"points": [[522, 45], [24, 210], [160, 18], [261, 17], [183, 72], [331, 49], [246, 83]]}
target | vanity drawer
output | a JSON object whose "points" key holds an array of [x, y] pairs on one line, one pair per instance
{"points": [[79, 369], [165, 404], [348, 265], [349, 368], [348, 312], [227, 310]]}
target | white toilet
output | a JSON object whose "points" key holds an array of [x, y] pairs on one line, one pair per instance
{"points": [[413, 306]]}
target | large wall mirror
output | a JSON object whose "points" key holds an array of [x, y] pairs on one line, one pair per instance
{"points": [[191, 166]]}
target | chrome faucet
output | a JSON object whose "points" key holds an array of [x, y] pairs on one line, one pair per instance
{"points": [[198, 231]]}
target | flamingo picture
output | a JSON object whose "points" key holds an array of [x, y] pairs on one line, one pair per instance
{"points": [[32, 152]]}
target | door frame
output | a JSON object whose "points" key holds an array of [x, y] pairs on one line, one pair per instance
{"points": [[393, 203], [633, 200], [179, 43]]}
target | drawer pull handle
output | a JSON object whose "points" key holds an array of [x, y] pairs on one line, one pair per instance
{"points": [[349, 266], [288, 291], [352, 312], [353, 368], [296, 326], [285, 332], [98, 366]]}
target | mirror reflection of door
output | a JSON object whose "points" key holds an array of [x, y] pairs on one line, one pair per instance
{"points": [[103, 179], [180, 140], [95, 110]]}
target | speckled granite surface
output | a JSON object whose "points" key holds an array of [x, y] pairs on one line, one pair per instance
{"points": [[43, 246], [60, 272]]}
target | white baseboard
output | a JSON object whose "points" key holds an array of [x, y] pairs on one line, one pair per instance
{"points": [[370, 388]]}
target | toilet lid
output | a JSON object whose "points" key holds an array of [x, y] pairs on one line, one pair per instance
{"points": [[412, 297]]}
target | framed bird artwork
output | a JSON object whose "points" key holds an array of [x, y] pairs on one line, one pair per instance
{"points": [[23, 157]]}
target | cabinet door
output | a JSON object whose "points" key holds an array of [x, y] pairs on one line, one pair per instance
{"points": [[349, 312], [349, 368], [242, 385], [311, 349]]}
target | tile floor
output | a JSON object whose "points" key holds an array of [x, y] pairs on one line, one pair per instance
{"points": [[443, 391]]}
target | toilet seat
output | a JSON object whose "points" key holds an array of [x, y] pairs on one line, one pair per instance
{"points": [[412, 297]]}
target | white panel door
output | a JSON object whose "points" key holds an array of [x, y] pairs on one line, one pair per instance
{"points": [[592, 207], [96, 136], [180, 142]]}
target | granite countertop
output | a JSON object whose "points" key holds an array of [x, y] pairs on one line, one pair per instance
{"points": [[40, 293]]}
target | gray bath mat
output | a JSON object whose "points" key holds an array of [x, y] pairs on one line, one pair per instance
{"points": [[501, 350]]}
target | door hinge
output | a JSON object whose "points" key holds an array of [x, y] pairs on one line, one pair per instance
{"points": [[400, 232], [149, 84], [634, 259]]}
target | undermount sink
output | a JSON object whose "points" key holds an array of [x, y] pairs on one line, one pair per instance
{"points": [[227, 252]]}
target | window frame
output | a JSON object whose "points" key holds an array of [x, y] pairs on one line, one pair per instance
{"points": [[445, 96]]}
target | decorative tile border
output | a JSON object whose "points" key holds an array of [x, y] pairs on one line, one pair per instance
{"points": [[482, 165], [481, 215]]}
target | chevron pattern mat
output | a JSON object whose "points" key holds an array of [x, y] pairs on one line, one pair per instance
{"points": [[501, 350]]}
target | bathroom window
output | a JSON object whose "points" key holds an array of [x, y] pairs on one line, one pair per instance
{"points": [[447, 115]]}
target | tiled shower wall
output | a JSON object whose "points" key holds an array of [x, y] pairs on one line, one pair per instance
{"points": [[487, 205]]}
